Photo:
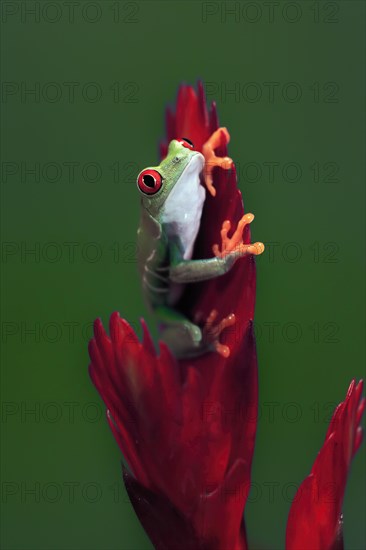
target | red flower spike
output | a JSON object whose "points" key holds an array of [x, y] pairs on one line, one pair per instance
{"points": [[315, 519], [187, 428]]}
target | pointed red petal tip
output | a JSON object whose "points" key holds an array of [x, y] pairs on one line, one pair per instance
{"points": [[191, 118], [99, 332], [314, 521], [147, 341], [120, 330]]}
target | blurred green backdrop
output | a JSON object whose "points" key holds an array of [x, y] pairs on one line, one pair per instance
{"points": [[287, 77]]}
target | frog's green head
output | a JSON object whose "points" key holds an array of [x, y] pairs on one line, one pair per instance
{"points": [[155, 183]]}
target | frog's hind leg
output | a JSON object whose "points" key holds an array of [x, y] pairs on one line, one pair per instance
{"points": [[187, 339], [183, 337]]}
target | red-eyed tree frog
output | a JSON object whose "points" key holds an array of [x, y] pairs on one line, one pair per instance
{"points": [[172, 199]]}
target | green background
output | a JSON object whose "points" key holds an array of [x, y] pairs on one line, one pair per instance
{"points": [[310, 296]]}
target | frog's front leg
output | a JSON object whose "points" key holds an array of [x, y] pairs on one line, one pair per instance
{"points": [[187, 339], [232, 248], [184, 337]]}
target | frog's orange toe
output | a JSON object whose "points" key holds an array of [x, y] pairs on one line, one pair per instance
{"points": [[222, 350], [211, 160], [235, 242], [257, 248], [211, 332]]}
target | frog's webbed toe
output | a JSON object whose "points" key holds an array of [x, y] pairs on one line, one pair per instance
{"points": [[234, 245], [212, 330], [211, 160]]}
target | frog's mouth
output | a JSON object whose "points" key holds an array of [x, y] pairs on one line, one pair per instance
{"points": [[183, 207]]}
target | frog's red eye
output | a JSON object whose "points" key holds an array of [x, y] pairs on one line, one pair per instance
{"points": [[186, 143], [149, 181]]}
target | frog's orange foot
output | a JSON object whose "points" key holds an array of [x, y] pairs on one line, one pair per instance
{"points": [[211, 160], [234, 244], [211, 332]]}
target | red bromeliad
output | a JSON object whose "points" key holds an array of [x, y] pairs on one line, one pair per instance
{"points": [[187, 427], [315, 520]]}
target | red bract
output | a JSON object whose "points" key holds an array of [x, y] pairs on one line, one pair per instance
{"points": [[187, 428], [184, 450], [315, 521]]}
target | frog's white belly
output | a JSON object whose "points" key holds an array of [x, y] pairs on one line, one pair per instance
{"points": [[182, 214], [183, 207]]}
